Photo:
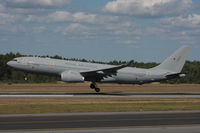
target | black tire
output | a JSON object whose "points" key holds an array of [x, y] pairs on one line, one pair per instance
{"points": [[92, 86], [97, 89]]}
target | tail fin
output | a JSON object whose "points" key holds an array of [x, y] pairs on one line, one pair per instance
{"points": [[175, 62]]}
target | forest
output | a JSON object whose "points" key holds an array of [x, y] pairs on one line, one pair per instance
{"points": [[9, 75]]}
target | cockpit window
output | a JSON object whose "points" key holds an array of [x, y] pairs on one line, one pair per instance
{"points": [[14, 60]]}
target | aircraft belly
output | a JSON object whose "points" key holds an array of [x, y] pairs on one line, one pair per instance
{"points": [[131, 78], [46, 70], [125, 78]]}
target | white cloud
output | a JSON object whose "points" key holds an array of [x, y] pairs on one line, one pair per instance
{"points": [[65, 16], [3, 39], [148, 8], [11, 29], [189, 21], [83, 17], [7, 18], [130, 42], [182, 29], [102, 27], [25, 10], [2, 8], [38, 29], [74, 29], [37, 3], [124, 28], [59, 16], [120, 28]]}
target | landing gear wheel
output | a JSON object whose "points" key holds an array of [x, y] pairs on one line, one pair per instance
{"points": [[97, 89], [92, 86]]}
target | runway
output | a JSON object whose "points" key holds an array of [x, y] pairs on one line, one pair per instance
{"points": [[97, 95], [98, 120], [165, 129]]}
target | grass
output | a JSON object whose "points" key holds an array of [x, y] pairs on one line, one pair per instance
{"points": [[107, 88], [103, 107], [95, 105], [55, 105]]}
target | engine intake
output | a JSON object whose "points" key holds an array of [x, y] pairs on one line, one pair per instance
{"points": [[71, 76]]}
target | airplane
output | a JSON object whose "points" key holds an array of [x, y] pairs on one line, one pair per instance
{"points": [[75, 71]]}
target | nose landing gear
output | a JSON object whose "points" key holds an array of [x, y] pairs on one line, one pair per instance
{"points": [[94, 86]]}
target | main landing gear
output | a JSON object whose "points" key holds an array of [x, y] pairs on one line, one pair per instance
{"points": [[94, 86], [25, 76]]}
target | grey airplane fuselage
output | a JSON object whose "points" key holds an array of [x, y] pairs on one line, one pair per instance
{"points": [[127, 75]]}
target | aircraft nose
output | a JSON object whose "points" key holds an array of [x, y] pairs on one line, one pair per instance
{"points": [[9, 63]]}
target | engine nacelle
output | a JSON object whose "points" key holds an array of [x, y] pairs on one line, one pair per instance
{"points": [[71, 76]]}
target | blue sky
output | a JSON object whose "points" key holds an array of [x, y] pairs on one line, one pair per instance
{"points": [[102, 30]]}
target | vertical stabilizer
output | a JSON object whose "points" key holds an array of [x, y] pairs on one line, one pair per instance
{"points": [[175, 62]]}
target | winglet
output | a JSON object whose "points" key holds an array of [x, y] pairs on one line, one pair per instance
{"points": [[126, 65], [129, 63]]}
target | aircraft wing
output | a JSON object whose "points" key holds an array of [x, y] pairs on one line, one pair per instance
{"points": [[98, 75]]}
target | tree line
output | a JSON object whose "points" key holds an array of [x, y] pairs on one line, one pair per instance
{"points": [[9, 75]]}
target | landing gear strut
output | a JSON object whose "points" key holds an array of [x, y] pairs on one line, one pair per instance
{"points": [[94, 86], [25, 76]]}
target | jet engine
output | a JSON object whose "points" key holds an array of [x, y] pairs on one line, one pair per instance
{"points": [[71, 76]]}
